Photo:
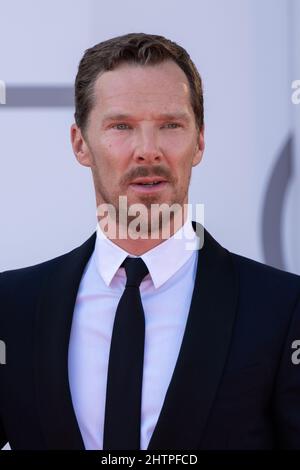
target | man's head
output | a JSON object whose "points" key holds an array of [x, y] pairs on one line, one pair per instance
{"points": [[139, 113]]}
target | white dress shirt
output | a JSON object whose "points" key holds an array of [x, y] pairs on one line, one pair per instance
{"points": [[166, 294]]}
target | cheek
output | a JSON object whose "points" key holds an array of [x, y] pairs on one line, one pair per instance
{"points": [[180, 145], [115, 140], [115, 150], [181, 157]]}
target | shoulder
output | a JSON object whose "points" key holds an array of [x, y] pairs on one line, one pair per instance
{"points": [[27, 281], [254, 275], [248, 267], [265, 288], [34, 273], [22, 286], [28, 274]]}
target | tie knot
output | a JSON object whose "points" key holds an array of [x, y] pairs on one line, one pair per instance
{"points": [[136, 270]]}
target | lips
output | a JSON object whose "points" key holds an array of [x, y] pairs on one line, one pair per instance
{"points": [[153, 180], [148, 185]]}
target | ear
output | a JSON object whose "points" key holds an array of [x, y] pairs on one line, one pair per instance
{"points": [[200, 147], [80, 147]]}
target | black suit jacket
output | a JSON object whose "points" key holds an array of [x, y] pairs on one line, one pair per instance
{"points": [[234, 385]]}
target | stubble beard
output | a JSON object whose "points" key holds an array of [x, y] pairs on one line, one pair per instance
{"points": [[158, 219]]}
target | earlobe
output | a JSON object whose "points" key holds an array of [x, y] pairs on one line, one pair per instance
{"points": [[198, 157], [199, 148], [79, 145]]}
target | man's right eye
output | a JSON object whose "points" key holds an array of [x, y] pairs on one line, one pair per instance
{"points": [[120, 126]]}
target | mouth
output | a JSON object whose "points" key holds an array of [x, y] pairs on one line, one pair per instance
{"points": [[148, 184]]}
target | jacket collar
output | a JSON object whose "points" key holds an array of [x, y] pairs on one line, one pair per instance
{"points": [[198, 369]]}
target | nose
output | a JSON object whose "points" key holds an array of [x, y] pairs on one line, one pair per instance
{"points": [[147, 146]]}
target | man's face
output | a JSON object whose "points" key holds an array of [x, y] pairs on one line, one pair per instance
{"points": [[142, 126]]}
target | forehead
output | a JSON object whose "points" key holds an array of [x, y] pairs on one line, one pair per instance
{"points": [[159, 86]]}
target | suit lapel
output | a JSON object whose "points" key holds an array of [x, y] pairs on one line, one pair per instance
{"points": [[203, 352], [198, 368], [53, 327]]}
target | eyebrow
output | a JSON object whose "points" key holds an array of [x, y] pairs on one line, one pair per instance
{"points": [[162, 116]]}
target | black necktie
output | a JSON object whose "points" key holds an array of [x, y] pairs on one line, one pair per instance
{"points": [[125, 367]]}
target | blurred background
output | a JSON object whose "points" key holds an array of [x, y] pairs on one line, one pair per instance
{"points": [[247, 52]]}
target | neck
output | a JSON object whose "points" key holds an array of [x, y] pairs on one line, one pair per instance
{"points": [[140, 245]]}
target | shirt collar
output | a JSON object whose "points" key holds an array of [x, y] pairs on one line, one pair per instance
{"points": [[162, 261]]}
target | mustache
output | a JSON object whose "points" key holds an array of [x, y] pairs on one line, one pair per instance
{"points": [[142, 172]]}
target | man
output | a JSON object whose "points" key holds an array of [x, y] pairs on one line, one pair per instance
{"points": [[133, 341]]}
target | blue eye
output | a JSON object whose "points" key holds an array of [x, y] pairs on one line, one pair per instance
{"points": [[172, 125], [121, 126]]}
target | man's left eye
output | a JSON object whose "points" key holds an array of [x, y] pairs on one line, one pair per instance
{"points": [[172, 125]]}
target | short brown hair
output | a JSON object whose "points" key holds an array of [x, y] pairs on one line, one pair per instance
{"points": [[139, 48]]}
